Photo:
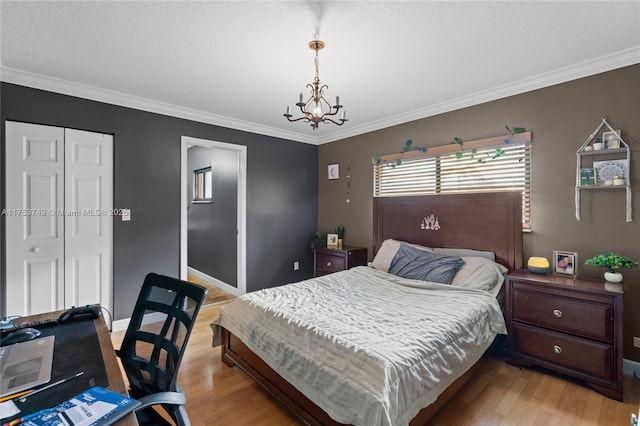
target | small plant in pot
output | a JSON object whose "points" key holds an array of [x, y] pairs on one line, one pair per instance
{"points": [[613, 262]]}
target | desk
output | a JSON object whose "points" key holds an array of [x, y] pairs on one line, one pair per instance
{"points": [[111, 366]]}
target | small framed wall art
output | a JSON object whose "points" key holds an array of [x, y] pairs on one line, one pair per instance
{"points": [[588, 177], [565, 263], [334, 171], [611, 139]]}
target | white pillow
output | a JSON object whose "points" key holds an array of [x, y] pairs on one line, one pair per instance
{"points": [[480, 273], [387, 252]]}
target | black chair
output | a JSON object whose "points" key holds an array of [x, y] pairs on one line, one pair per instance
{"points": [[153, 346]]}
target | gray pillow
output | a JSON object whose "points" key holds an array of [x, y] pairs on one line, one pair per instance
{"points": [[422, 265]]}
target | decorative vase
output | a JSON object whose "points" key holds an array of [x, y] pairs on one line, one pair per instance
{"points": [[613, 277]]}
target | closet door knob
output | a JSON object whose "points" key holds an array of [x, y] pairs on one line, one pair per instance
{"points": [[35, 249]]}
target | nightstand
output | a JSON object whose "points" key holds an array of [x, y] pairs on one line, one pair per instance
{"points": [[571, 326], [329, 260]]}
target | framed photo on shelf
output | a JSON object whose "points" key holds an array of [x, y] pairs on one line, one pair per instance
{"points": [[333, 171], [588, 177], [608, 169], [332, 240], [565, 263], [611, 139]]}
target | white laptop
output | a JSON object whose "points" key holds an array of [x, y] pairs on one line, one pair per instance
{"points": [[25, 365]]}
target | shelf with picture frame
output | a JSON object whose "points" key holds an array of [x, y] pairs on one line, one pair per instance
{"points": [[603, 162]]}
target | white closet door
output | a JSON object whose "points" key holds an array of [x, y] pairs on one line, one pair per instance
{"points": [[34, 231], [88, 234], [59, 218]]}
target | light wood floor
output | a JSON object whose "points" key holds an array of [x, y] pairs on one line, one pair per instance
{"points": [[500, 394], [214, 295]]}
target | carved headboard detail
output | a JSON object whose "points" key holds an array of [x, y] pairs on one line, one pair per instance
{"points": [[487, 221]]}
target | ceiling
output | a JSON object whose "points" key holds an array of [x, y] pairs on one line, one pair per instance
{"points": [[239, 64]]}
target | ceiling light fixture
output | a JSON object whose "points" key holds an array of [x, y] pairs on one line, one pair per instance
{"points": [[317, 109]]}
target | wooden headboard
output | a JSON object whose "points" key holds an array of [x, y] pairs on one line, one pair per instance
{"points": [[487, 221]]}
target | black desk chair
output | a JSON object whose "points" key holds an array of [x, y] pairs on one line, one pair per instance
{"points": [[153, 347]]}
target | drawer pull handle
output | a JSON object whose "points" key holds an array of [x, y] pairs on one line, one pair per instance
{"points": [[557, 349], [328, 263], [557, 313]]}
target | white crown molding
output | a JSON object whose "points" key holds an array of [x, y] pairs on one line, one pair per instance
{"points": [[584, 69], [38, 81]]}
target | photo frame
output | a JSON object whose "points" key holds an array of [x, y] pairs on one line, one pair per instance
{"points": [[588, 177], [608, 169], [611, 139], [332, 240], [565, 263], [333, 171]]}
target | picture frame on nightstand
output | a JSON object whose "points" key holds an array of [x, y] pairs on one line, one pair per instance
{"points": [[332, 240], [565, 263]]}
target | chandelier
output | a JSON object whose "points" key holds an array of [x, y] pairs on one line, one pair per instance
{"points": [[317, 109]]}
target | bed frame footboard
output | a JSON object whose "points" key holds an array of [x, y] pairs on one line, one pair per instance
{"points": [[234, 352]]}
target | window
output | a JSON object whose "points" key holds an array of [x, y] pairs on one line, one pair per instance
{"points": [[439, 171], [202, 191]]}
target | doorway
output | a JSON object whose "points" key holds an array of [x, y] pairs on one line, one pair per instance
{"points": [[200, 197]]}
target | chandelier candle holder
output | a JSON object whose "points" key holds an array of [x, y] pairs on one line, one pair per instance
{"points": [[317, 109]]}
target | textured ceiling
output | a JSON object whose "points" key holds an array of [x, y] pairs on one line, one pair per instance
{"points": [[240, 63]]}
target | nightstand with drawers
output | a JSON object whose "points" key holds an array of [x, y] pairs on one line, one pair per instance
{"points": [[329, 260], [571, 326]]}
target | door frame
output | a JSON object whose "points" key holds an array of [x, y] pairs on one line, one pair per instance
{"points": [[241, 267]]}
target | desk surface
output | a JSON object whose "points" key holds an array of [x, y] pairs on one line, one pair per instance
{"points": [[112, 368]]}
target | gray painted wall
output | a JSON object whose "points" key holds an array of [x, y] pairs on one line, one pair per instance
{"points": [[212, 226], [282, 189]]}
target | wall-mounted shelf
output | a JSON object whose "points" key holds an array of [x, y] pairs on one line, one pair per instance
{"points": [[610, 160]]}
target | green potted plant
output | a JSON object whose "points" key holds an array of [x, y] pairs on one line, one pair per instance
{"points": [[319, 240], [613, 262]]}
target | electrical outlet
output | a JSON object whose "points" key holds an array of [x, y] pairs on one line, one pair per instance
{"points": [[296, 266], [636, 342]]}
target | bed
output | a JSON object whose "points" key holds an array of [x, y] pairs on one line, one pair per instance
{"points": [[363, 346]]}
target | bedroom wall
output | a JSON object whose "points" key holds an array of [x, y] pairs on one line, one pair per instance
{"points": [[282, 194], [560, 118]]}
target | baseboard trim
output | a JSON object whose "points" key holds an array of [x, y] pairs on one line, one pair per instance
{"points": [[214, 281], [120, 325], [629, 366]]}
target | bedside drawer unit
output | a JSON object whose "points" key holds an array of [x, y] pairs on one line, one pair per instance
{"points": [[578, 317], [328, 263], [328, 260], [571, 326], [577, 354]]}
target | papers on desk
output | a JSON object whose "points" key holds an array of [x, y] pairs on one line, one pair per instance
{"points": [[84, 409]]}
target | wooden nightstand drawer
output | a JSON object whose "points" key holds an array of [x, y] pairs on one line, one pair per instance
{"points": [[327, 264], [578, 317], [329, 260], [584, 356]]}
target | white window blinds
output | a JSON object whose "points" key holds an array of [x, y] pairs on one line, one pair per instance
{"points": [[440, 171]]}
